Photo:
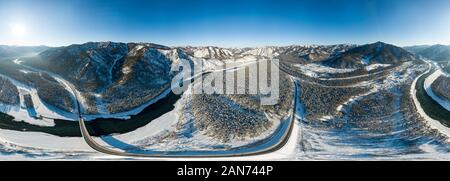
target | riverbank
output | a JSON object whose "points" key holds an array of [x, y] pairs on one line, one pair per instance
{"points": [[97, 127], [434, 115], [427, 86]]}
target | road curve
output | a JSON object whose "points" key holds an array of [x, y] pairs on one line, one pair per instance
{"points": [[198, 154], [435, 124]]}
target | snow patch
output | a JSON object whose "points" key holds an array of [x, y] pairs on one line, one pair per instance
{"points": [[376, 66], [365, 60], [45, 114], [316, 70]]}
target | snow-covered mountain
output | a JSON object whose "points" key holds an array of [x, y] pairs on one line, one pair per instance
{"points": [[369, 54], [209, 52], [301, 53], [311, 53], [435, 52], [116, 76]]}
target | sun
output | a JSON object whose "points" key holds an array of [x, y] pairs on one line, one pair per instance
{"points": [[18, 30]]}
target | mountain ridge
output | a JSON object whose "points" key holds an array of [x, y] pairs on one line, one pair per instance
{"points": [[111, 73], [368, 54]]}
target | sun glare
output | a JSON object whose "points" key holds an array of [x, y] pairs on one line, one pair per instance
{"points": [[18, 30]]}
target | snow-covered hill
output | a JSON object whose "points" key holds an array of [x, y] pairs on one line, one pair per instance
{"points": [[115, 78], [376, 53], [111, 77]]}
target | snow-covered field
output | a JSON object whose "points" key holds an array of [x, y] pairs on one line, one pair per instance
{"points": [[47, 112], [392, 80], [376, 66], [317, 70], [318, 141]]}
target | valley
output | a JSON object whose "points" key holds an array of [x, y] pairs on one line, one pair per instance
{"points": [[335, 102]]}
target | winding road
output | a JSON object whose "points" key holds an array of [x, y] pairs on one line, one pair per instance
{"points": [[196, 154], [282, 142], [278, 140], [435, 124]]}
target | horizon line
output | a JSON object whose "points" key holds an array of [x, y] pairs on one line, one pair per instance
{"points": [[188, 45]]}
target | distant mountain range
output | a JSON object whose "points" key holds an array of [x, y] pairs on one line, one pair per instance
{"points": [[19, 51], [438, 53], [294, 53], [433, 52]]}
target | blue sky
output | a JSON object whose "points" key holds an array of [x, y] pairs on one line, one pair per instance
{"points": [[227, 23]]}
